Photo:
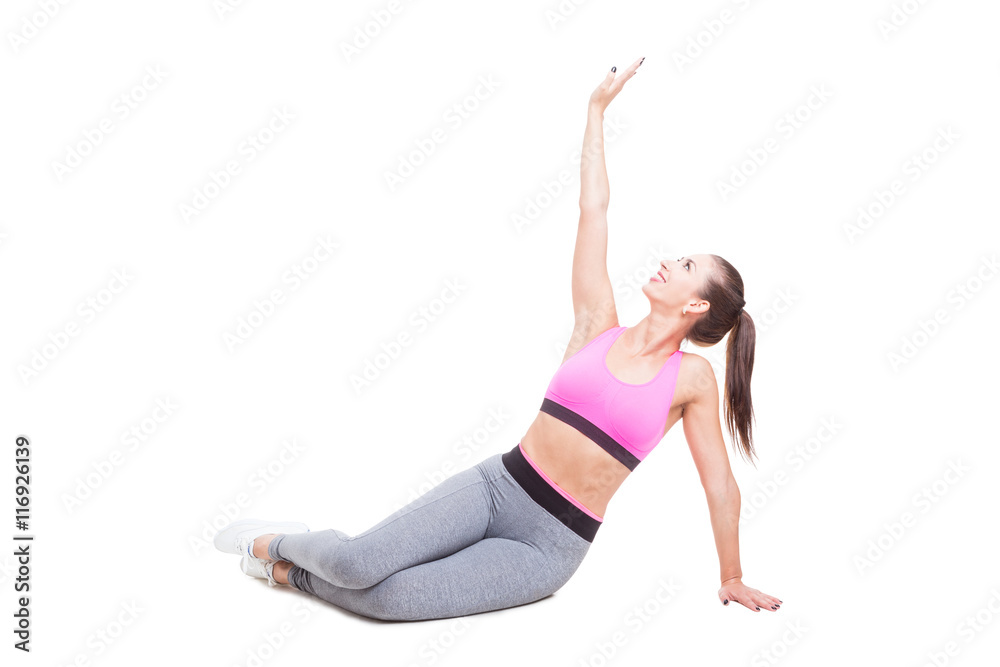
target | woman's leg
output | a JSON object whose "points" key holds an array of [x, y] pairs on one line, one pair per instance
{"points": [[448, 518], [526, 554], [494, 573]]}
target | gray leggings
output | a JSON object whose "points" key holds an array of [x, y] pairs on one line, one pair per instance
{"points": [[475, 542]]}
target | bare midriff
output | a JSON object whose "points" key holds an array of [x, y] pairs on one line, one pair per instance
{"points": [[573, 461], [576, 463]]}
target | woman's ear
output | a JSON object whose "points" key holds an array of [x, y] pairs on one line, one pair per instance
{"points": [[698, 306]]}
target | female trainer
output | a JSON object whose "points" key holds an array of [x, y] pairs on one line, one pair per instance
{"points": [[515, 527]]}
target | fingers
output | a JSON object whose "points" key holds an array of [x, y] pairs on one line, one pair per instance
{"points": [[627, 74], [761, 602], [609, 80], [614, 87], [755, 601], [746, 602], [631, 69], [768, 602], [730, 596]]}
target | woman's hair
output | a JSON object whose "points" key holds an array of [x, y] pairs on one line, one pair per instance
{"points": [[723, 289]]}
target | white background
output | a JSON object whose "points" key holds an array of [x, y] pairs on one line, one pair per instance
{"points": [[831, 311]]}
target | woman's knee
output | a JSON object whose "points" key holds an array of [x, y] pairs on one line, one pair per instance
{"points": [[344, 563], [388, 602], [349, 566]]}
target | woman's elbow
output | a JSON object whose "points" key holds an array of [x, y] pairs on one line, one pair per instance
{"points": [[723, 490], [594, 204]]}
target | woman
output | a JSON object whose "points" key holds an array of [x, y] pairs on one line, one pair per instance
{"points": [[514, 528]]}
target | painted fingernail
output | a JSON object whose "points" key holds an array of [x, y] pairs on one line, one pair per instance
{"points": [[725, 602], [643, 58], [758, 608], [613, 69], [773, 607]]}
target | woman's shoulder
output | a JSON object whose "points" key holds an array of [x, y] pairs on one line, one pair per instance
{"points": [[695, 378]]}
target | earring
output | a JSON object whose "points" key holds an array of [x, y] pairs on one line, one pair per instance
{"points": [[684, 310]]}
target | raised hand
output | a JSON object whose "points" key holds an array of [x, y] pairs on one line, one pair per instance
{"points": [[611, 86]]}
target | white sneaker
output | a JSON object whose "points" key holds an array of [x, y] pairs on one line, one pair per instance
{"points": [[258, 567], [237, 537]]}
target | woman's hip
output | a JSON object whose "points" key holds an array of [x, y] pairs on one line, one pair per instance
{"points": [[530, 510]]}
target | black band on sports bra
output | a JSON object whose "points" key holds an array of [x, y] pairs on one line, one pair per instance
{"points": [[592, 431]]}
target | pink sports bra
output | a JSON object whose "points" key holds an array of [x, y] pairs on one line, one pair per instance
{"points": [[626, 420]]}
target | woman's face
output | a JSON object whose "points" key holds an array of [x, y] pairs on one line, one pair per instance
{"points": [[678, 281]]}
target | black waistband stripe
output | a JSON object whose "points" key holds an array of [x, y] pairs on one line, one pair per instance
{"points": [[551, 500], [592, 431]]}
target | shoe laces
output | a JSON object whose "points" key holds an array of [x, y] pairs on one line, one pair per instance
{"points": [[245, 546], [260, 568]]}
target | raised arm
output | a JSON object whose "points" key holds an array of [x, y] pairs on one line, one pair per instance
{"points": [[703, 432], [593, 298]]}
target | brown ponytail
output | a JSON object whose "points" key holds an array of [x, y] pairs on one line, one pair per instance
{"points": [[724, 291]]}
